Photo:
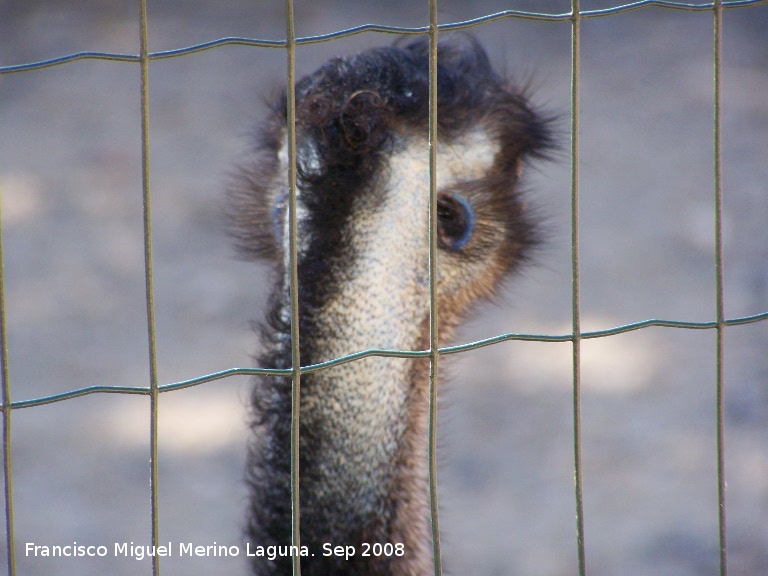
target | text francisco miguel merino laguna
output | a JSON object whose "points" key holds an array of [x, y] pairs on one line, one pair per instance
{"points": [[141, 551]]}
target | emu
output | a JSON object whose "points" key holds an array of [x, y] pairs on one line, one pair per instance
{"points": [[362, 213]]}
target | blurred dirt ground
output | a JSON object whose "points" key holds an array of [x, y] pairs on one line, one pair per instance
{"points": [[70, 177]]}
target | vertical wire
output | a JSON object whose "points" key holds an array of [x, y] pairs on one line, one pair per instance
{"points": [[576, 286], [294, 279], [720, 299], [6, 396], [149, 285], [433, 320]]}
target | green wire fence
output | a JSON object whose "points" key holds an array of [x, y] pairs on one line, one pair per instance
{"points": [[575, 17]]}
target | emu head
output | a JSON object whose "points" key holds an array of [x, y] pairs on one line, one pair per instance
{"points": [[363, 185]]}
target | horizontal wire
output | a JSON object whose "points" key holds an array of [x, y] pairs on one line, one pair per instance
{"points": [[286, 372], [237, 41]]}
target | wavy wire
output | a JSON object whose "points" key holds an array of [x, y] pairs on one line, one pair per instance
{"points": [[255, 42], [446, 350]]}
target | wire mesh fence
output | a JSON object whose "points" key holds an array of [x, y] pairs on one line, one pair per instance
{"points": [[715, 320]]}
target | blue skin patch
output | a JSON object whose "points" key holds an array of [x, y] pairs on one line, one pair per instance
{"points": [[469, 214]]}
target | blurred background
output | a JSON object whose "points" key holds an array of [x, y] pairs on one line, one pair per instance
{"points": [[70, 174]]}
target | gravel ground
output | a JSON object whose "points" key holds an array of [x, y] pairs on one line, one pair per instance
{"points": [[71, 214]]}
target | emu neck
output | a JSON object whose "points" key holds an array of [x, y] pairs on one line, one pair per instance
{"points": [[364, 476], [365, 448]]}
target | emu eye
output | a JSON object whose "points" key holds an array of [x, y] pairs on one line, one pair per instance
{"points": [[455, 221]]}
